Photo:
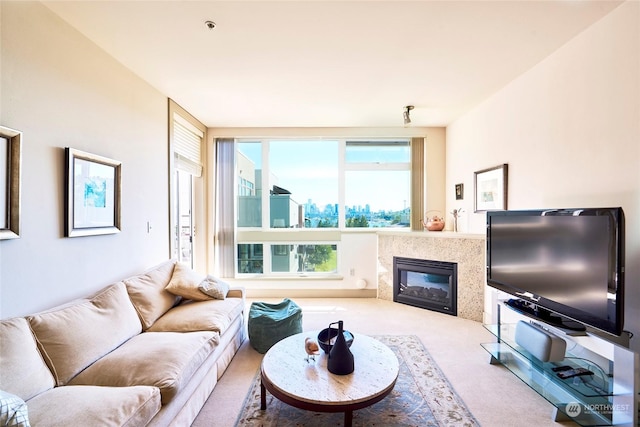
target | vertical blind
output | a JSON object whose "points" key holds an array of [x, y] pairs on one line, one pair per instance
{"points": [[224, 251], [187, 145], [417, 183]]}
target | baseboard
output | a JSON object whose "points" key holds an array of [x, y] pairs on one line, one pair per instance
{"points": [[311, 293]]}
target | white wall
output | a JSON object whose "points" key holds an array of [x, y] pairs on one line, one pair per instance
{"points": [[61, 90], [570, 131]]}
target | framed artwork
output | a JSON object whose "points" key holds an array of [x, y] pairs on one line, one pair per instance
{"points": [[92, 194], [491, 189], [459, 191], [10, 179]]}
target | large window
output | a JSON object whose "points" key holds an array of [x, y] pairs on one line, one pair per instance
{"points": [[321, 186], [377, 183]]}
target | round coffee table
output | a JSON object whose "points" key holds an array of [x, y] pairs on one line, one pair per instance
{"points": [[287, 375]]}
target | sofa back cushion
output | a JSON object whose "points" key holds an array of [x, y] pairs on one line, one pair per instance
{"points": [[148, 294], [23, 370], [73, 337]]}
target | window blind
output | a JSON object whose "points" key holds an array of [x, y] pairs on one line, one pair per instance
{"points": [[187, 143]]}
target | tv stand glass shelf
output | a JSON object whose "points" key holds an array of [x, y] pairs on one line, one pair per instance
{"points": [[587, 400]]}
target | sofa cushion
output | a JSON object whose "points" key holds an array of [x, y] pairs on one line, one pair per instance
{"points": [[214, 287], [95, 406], [210, 315], [166, 360], [148, 294], [23, 370], [13, 411], [184, 282], [73, 337]]}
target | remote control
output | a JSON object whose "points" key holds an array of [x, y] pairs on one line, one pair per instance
{"points": [[574, 373], [561, 368]]}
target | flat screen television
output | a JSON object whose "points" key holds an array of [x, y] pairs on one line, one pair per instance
{"points": [[561, 263]]}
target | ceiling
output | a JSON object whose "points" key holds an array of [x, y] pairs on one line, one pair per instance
{"points": [[329, 63]]}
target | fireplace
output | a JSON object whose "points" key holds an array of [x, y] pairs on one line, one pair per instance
{"points": [[426, 284]]}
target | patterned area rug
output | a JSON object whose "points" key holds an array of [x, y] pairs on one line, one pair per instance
{"points": [[422, 397]]}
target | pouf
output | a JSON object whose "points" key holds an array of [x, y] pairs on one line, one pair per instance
{"points": [[269, 323]]}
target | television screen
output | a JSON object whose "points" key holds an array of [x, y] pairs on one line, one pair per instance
{"points": [[569, 261]]}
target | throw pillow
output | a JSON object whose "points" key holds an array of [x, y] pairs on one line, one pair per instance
{"points": [[13, 410], [184, 283], [214, 287], [148, 295]]}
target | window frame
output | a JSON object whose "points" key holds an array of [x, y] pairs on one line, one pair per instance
{"points": [[268, 236]]}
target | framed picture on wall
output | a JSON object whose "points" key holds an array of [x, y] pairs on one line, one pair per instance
{"points": [[459, 191], [10, 178], [92, 194], [491, 189]]}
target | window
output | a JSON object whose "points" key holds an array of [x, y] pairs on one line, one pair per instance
{"points": [[249, 177], [250, 258], [377, 183], [304, 258], [186, 136], [294, 196], [290, 258], [300, 180], [184, 213]]}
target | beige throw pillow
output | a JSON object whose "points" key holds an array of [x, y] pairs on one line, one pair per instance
{"points": [[184, 283], [214, 287], [148, 295]]}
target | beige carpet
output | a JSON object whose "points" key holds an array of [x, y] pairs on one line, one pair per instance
{"points": [[494, 396], [422, 397]]}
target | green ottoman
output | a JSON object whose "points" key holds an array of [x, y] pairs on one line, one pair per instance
{"points": [[269, 323]]}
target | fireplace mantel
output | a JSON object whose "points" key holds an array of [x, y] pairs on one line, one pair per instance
{"points": [[432, 234], [467, 250]]}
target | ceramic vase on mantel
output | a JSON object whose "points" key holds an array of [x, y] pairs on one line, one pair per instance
{"points": [[340, 360]]}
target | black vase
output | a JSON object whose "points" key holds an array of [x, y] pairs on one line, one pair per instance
{"points": [[340, 360]]}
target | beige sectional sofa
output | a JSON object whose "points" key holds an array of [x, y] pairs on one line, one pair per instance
{"points": [[134, 354]]}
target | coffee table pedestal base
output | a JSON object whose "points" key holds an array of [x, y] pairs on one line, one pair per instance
{"points": [[348, 415]]}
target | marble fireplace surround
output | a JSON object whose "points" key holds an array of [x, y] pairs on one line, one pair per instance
{"points": [[467, 250]]}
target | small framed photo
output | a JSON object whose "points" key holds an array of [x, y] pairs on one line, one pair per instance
{"points": [[92, 194], [459, 191], [10, 178], [491, 189]]}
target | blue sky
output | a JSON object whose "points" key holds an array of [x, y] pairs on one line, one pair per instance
{"points": [[309, 170]]}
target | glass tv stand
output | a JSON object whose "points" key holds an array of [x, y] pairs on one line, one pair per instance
{"points": [[609, 396]]}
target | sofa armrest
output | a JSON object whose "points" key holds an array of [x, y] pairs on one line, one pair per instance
{"points": [[236, 292]]}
